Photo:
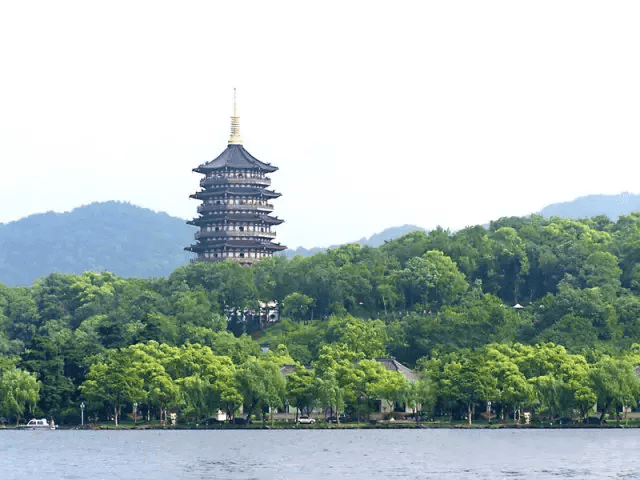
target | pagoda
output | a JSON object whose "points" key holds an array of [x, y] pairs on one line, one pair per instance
{"points": [[235, 216]]}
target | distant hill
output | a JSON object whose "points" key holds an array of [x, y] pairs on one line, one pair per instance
{"points": [[593, 205], [387, 234], [119, 237], [373, 241]]}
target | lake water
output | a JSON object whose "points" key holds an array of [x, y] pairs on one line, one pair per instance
{"points": [[322, 454]]}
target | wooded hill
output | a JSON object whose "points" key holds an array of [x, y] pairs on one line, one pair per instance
{"points": [[114, 236], [442, 302], [131, 241]]}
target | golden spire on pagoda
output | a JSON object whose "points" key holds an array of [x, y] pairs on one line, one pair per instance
{"points": [[235, 138]]}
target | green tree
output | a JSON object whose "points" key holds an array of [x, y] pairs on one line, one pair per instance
{"points": [[467, 381], [558, 378], [420, 395], [113, 380], [513, 388], [615, 384], [301, 390], [510, 264], [261, 384], [329, 392], [160, 389], [378, 383], [365, 338], [296, 305], [18, 390], [207, 381], [433, 280]]}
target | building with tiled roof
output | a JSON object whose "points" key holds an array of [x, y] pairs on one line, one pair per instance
{"points": [[395, 366]]}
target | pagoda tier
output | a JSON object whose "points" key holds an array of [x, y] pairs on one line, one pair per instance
{"points": [[225, 218], [234, 217], [222, 193]]}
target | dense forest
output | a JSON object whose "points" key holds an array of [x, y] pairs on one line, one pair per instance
{"points": [[532, 314]]}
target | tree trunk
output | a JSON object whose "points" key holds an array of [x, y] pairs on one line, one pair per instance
{"points": [[469, 412], [604, 412], [115, 415]]}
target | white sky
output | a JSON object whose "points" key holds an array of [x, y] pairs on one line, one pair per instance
{"points": [[378, 114]]}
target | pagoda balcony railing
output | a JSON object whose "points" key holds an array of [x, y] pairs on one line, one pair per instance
{"points": [[233, 233], [233, 179], [241, 206], [244, 260]]}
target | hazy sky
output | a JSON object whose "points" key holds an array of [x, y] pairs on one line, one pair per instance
{"points": [[378, 114]]}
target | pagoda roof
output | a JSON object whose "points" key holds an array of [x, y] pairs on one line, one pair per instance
{"points": [[236, 191], [236, 244], [236, 157]]}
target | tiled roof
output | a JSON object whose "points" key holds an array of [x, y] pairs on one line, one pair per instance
{"points": [[395, 366], [243, 244], [235, 156], [287, 369], [222, 189]]}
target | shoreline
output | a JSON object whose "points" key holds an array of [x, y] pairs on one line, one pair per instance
{"points": [[394, 426]]}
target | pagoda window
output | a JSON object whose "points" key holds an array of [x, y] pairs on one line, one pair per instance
{"points": [[242, 229], [242, 254]]}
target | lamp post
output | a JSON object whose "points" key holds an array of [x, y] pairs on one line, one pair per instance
{"points": [[82, 405], [135, 412]]}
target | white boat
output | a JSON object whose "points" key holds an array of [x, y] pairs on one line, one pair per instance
{"points": [[41, 424]]}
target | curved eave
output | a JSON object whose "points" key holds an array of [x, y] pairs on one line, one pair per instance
{"points": [[236, 192], [200, 247], [235, 157]]}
